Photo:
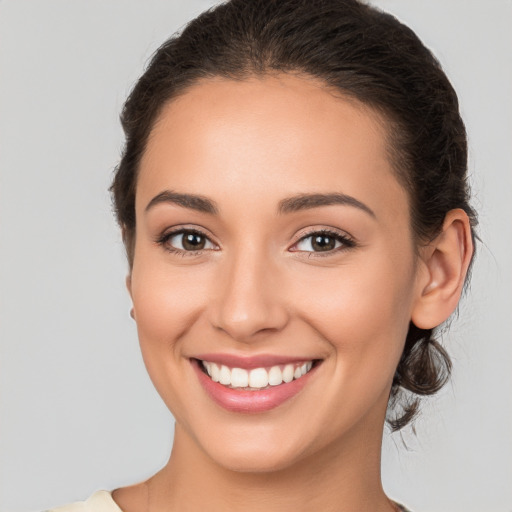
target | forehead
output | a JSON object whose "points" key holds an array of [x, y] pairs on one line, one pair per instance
{"points": [[285, 134]]}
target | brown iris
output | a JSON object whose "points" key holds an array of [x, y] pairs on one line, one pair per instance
{"points": [[193, 241], [323, 243]]}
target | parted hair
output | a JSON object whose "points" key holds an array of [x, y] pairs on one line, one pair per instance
{"points": [[365, 54]]}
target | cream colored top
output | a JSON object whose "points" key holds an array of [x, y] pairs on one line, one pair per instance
{"points": [[100, 501]]}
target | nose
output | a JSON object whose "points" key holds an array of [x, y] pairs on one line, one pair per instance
{"points": [[249, 299]]}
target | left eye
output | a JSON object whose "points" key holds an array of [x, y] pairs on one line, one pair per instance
{"points": [[322, 242]]}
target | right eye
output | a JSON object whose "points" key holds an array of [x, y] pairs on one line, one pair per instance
{"points": [[186, 240]]}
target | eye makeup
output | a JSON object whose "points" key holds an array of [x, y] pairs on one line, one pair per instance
{"points": [[316, 241]]}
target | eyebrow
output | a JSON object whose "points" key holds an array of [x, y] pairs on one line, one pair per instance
{"points": [[308, 201], [290, 204], [191, 201]]}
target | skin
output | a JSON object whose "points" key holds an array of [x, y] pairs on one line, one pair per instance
{"points": [[259, 287]]}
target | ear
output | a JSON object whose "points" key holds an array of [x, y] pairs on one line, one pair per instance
{"points": [[129, 288], [444, 263]]}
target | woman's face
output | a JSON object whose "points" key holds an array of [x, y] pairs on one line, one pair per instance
{"points": [[271, 234]]}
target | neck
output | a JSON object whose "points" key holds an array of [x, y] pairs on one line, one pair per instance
{"points": [[340, 478]]}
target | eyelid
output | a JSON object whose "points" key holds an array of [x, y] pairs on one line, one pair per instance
{"points": [[347, 240], [168, 233]]}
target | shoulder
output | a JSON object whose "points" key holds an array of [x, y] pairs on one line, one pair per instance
{"points": [[100, 501]]}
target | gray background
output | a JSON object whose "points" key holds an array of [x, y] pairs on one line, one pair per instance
{"points": [[77, 411]]}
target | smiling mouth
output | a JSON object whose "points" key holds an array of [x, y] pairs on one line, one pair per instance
{"points": [[255, 379]]}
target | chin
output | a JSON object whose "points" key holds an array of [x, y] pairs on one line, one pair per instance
{"points": [[253, 460], [261, 453]]}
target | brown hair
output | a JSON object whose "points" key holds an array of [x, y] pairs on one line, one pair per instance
{"points": [[362, 52]]}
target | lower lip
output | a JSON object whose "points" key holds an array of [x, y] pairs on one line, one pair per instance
{"points": [[239, 400]]}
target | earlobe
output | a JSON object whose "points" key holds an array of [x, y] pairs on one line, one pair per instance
{"points": [[445, 260]]}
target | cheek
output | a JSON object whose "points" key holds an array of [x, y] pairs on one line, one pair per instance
{"points": [[167, 301], [363, 312], [363, 317]]}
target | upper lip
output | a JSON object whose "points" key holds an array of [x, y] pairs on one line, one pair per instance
{"points": [[248, 362]]}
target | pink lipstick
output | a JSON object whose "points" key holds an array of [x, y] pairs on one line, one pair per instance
{"points": [[238, 399]]}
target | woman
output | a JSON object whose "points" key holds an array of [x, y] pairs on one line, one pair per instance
{"points": [[295, 212]]}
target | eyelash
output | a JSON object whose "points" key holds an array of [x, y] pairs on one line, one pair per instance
{"points": [[346, 241]]}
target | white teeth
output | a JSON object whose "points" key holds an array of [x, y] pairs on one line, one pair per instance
{"points": [[275, 376], [225, 375], [239, 378], [257, 378], [288, 373], [215, 372]]}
